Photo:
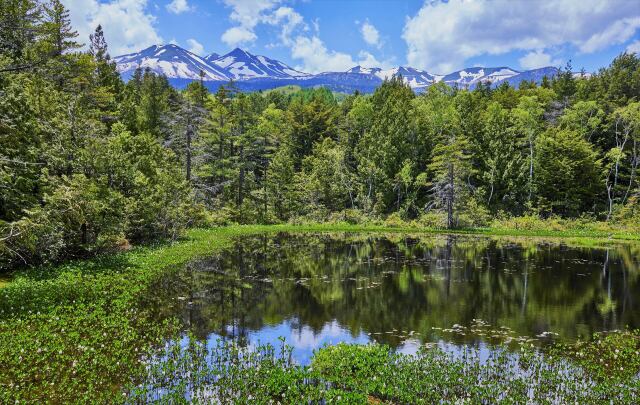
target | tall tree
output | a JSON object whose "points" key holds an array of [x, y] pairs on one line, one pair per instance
{"points": [[381, 151], [450, 166], [528, 121], [568, 173]]}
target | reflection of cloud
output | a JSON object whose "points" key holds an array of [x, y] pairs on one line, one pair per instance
{"points": [[331, 332], [410, 346]]}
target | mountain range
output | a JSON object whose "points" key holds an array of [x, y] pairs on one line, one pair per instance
{"points": [[255, 72]]}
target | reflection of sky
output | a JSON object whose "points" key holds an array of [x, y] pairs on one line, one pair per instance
{"points": [[304, 341], [301, 338]]}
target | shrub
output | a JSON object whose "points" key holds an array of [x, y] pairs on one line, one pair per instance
{"points": [[432, 219], [474, 215], [349, 216], [394, 220]]}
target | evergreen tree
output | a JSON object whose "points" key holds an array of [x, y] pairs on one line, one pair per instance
{"points": [[381, 151], [568, 173], [450, 166], [58, 30], [19, 31]]}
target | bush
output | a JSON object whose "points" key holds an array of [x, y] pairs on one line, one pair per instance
{"points": [[349, 216], [394, 220], [474, 215], [80, 216], [222, 217], [432, 219], [135, 192]]}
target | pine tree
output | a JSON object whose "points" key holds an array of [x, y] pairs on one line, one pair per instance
{"points": [[19, 30], [58, 28], [450, 166], [382, 149], [564, 84], [98, 45]]}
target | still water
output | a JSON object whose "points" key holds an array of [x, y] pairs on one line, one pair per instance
{"points": [[404, 291]]}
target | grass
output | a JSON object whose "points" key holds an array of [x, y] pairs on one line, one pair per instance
{"points": [[76, 332]]}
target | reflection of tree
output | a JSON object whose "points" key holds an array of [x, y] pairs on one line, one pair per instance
{"points": [[378, 284]]}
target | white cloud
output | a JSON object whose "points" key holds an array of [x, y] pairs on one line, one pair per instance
{"points": [[178, 6], [537, 59], [619, 32], [127, 26], [305, 43], [634, 47], [370, 34], [247, 14], [195, 47], [235, 36], [442, 36], [289, 20], [365, 59], [317, 58]]}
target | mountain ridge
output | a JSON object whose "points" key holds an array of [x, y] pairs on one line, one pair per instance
{"points": [[257, 72]]}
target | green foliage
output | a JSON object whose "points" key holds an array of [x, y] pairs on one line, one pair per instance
{"points": [[294, 153], [372, 373], [607, 356], [74, 181], [89, 164], [86, 315], [568, 172]]}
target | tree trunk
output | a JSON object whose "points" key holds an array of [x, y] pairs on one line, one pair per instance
{"points": [[189, 154], [264, 192], [530, 169], [241, 177], [634, 165], [221, 151], [450, 197]]}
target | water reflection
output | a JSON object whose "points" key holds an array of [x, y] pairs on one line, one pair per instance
{"points": [[398, 290]]}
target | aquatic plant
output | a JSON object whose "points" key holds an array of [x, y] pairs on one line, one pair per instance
{"points": [[348, 373]]}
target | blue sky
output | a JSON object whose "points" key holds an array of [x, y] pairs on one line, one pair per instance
{"points": [[332, 35]]}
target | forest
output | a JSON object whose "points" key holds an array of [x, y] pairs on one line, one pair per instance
{"points": [[457, 245], [89, 163]]}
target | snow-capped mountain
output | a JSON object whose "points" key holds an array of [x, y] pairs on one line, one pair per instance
{"points": [[242, 65], [415, 78], [171, 61], [472, 76], [255, 72], [211, 57]]}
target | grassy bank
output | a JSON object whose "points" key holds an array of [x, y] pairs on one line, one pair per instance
{"points": [[76, 332]]}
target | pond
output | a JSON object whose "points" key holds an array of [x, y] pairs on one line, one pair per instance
{"points": [[401, 290]]}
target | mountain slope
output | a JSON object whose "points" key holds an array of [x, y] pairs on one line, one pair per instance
{"points": [[211, 57], [242, 65], [472, 76], [415, 78], [171, 61], [255, 72]]}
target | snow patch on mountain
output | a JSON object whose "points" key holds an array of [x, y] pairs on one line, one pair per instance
{"points": [[211, 57], [242, 65], [473, 76], [261, 72], [415, 78], [171, 61]]}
